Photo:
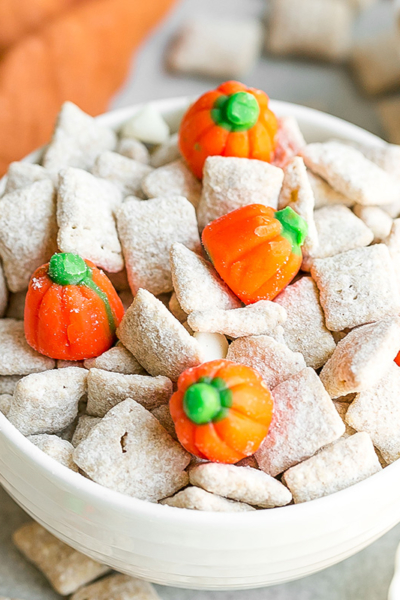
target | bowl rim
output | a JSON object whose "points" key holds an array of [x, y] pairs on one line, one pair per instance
{"points": [[78, 485]]}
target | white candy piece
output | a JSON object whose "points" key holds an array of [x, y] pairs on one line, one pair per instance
{"points": [[147, 125], [213, 346]]}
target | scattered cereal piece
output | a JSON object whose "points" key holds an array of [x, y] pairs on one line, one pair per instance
{"points": [[162, 414], [117, 587], [117, 359], [21, 174], [375, 62], [147, 231], [240, 483], [59, 449], [16, 357], [159, 342], [389, 113], [349, 172], [174, 179], [342, 408], [126, 174], [66, 569], [376, 219], [260, 318], [338, 230], [106, 390], [393, 244], [197, 285], [311, 28], [147, 126], [8, 383], [134, 150], [3, 292], [176, 309], [231, 182], [47, 402], [305, 420], [28, 231], [5, 403], [83, 428], [213, 346], [16, 306], [194, 498], [357, 287], [274, 361], [77, 140], [362, 358], [289, 141], [166, 152], [334, 468], [297, 193], [85, 215], [377, 412], [130, 452], [217, 47], [304, 328], [324, 194]]}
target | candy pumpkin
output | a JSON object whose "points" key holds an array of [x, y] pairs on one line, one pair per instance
{"points": [[71, 309], [221, 410], [256, 250], [232, 120]]}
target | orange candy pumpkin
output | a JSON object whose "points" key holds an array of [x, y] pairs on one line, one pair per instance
{"points": [[222, 411], [232, 120]]}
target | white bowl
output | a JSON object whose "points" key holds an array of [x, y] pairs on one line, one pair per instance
{"points": [[201, 550]]}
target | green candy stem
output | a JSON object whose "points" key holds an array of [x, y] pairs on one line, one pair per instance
{"points": [[207, 401], [70, 269], [294, 227], [238, 112]]}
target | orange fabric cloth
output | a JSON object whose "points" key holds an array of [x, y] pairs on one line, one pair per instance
{"points": [[83, 55]]}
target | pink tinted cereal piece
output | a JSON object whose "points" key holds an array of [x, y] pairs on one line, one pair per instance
{"points": [[83, 428], [16, 357], [297, 193], [377, 412], [166, 152], [197, 285], [349, 172], [134, 150], [376, 219], [130, 452], [56, 448], [3, 292], [118, 360], [160, 343], [240, 483], [66, 569], [304, 421], [117, 587], [47, 402], [304, 329], [260, 318], [162, 414], [194, 498], [86, 218], [324, 194], [28, 231], [174, 179], [334, 468], [124, 173], [5, 403], [106, 390], [230, 182], [273, 360], [21, 174], [77, 140], [357, 287], [362, 358], [147, 231], [375, 62], [289, 141], [309, 28]]}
